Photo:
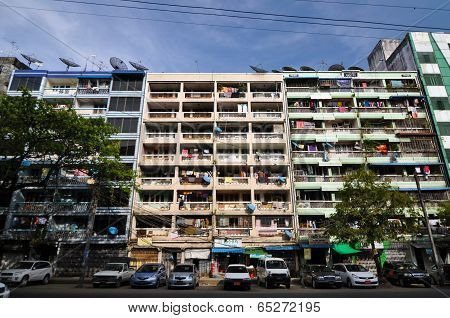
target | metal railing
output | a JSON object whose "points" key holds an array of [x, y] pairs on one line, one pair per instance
{"points": [[232, 206], [196, 206], [61, 91], [233, 180], [232, 136], [198, 95], [159, 157], [197, 136], [273, 206], [232, 158], [162, 114], [163, 135], [163, 95], [268, 136], [268, 115], [93, 90], [198, 114], [232, 95], [232, 115], [52, 208], [266, 95], [316, 204], [196, 157], [165, 181]]}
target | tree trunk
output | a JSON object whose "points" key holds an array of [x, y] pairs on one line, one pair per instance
{"points": [[90, 229], [376, 258]]}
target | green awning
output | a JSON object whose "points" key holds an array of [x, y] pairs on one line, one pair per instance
{"points": [[255, 251], [344, 249]]}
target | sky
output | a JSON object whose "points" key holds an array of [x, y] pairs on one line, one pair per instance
{"points": [[182, 47]]}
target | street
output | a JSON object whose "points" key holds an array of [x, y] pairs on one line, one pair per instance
{"points": [[71, 291]]}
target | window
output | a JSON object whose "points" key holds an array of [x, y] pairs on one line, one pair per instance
{"points": [[441, 103], [426, 57], [433, 80], [29, 83], [127, 83], [125, 104], [124, 125], [127, 147]]}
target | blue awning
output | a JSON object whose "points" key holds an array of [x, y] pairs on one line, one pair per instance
{"points": [[423, 189], [282, 248], [417, 164], [306, 245], [234, 250]]}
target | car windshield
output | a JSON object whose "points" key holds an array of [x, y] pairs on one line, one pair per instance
{"points": [[407, 266], [320, 268], [23, 265], [183, 269], [356, 268], [114, 267], [148, 269], [275, 265], [237, 269]]}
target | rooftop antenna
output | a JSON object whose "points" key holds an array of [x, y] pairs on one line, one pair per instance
{"points": [[196, 63], [69, 63], [33, 60], [118, 64], [323, 65], [100, 65], [93, 56], [138, 66]]}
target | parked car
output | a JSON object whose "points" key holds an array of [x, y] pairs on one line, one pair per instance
{"points": [[237, 275], [435, 276], [27, 271], [405, 274], [184, 275], [320, 275], [273, 272], [113, 274], [355, 275], [4, 291], [149, 275]]}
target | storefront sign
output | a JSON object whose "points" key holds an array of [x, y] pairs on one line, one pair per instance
{"points": [[197, 254], [227, 243], [350, 74], [318, 239], [307, 254]]}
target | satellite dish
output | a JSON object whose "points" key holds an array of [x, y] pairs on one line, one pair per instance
{"points": [[138, 66], [32, 60], [355, 68], [69, 63], [307, 69], [118, 64], [288, 69], [257, 69], [336, 67], [276, 71]]}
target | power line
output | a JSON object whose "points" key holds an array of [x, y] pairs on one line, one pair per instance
{"points": [[382, 5], [252, 17], [279, 15], [195, 23]]}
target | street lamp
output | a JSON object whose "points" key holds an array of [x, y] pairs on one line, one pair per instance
{"points": [[436, 260]]}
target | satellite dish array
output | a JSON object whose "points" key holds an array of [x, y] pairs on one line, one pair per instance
{"points": [[304, 68]]}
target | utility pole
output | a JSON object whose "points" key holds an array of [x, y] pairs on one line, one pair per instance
{"points": [[430, 234]]}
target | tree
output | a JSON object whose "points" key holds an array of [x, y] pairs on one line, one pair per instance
{"points": [[444, 213], [370, 211]]}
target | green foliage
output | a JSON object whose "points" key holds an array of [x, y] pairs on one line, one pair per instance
{"points": [[35, 131], [444, 213], [367, 209]]}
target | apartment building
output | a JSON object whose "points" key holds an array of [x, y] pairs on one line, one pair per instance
{"points": [[429, 54], [339, 121], [214, 171], [116, 96]]}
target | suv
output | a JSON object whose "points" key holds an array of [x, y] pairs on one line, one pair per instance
{"points": [[320, 275], [405, 274], [273, 272], [27, 271]]}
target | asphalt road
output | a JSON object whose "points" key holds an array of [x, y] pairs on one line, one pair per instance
{"points": [[72, 291]]}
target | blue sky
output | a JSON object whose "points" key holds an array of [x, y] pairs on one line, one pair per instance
{"points": [[171, 47]]}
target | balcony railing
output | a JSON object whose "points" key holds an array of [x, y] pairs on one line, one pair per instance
{"points": [[399, 178], [90, 111], [235, 136], [271, 181], [66, 235], [233, 180], [93, 91], [60, 91], [166, 181], [232, 206], [232, 158], [299, 178], [197, 136], [227, 232], [52, 208], [162, 114], [267, 115], [196, 206], [198, 95], [227, 115], [370, 89], [316, 204], [161, 135], [233, 95], [198, 115], [273, 206], [196, 157], [62, 181], [266, 95], [163, 95], [272, 158], [268, 136], [159, 158], [153, 206], [307, 154], [323, 131]]}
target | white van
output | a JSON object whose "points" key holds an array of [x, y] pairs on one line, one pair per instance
{"points": [[273, 272]]}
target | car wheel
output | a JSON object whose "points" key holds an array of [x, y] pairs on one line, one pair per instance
{"points": [[158, 283], [267, 285], [401, 282], [46, 279], [349, 283], [314, 284], [288, 286], [24, 281], [118, 283]]}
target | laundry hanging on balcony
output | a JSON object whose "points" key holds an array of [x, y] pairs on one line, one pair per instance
{"points": [[206, 179], [112, 230], [281, 179], [218, 130]]}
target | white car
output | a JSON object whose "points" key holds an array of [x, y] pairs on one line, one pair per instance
{"points": [[4, 291], [355, 275], [273, 272], [237, 276], [27, 271], [113, 274]]}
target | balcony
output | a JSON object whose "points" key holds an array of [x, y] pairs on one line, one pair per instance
{"points": [[66, 235], [233, 182], [52, 208], [270, 159], [60, 92], [93, 91], [237, 95], [272, 183], [63, 181], [271, 231], [196, 137], [162, 116], [160, 137], [232, 137], [198, 116], [265, 96], [223, 159], [158, 159], [199, 95], [90, 112], [157, 182], [312, 178], [232, 207], [233, 232], [197, 159], [273, 207], [269, 137], [163, 95], [319, 208], [194, 183], [263, 116], [235, 116], [196, 207], [150, 208]]}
